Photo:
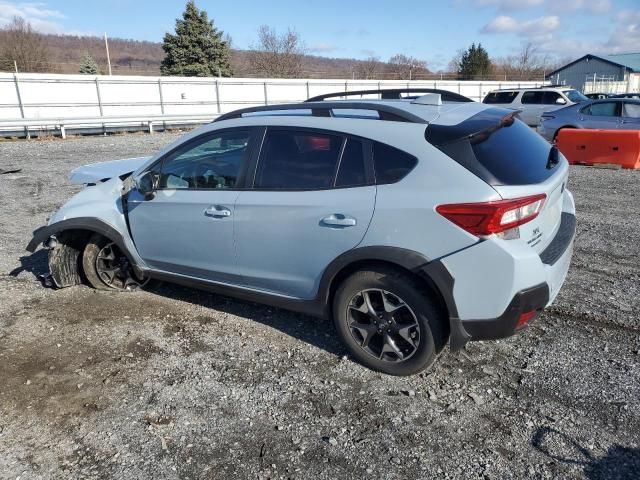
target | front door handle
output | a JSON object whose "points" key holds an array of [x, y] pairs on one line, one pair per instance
{"points": [[338, 220], [217, 211]]}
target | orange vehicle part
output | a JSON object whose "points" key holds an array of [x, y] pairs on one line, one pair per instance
{"points": [[593, 147]]}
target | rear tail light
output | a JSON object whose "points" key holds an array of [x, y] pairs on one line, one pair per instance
{"points": [[488, 218]]}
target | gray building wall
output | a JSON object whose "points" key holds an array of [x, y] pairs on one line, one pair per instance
{"points": [[576, 74]]}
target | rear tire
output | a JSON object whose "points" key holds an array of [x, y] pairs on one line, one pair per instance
{"points": [[106, 267], [388, 321]]}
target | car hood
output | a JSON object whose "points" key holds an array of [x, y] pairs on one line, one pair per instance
{"points": [[96, 172]]}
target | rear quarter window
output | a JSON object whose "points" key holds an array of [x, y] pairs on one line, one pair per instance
{"points": [[390, 164], [500, 97]]}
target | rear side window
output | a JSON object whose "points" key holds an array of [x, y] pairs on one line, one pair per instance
{"points": [[498, 148], [298, 160], [351, 172], [391, 165], [632, 110], [500, 97], [532, 97], [604, 109]]}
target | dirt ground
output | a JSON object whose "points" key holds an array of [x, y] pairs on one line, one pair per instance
{"points": [[176, 383]]}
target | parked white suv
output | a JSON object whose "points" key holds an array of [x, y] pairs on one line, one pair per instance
{"points": [[533, 102]]}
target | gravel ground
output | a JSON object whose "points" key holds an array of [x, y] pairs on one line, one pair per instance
{"points": [[176, 383]]}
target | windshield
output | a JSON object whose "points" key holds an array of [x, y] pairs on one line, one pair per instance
{"points": [[575, 96]]}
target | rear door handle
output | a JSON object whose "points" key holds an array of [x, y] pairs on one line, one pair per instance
{"points": [[217, 211], [339, 220]]}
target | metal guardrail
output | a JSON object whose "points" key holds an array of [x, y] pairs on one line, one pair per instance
{"points": [[62, 125]]}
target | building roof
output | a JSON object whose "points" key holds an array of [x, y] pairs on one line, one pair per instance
{"points": [[629, 61]]}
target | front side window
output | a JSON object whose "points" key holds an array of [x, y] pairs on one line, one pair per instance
{"points": [[576, 97], [604, 109], [298, 160], [632, 110], [212, 162], [532, 97], [551, 98]]}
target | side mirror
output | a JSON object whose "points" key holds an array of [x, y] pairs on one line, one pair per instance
{"points": [[146, 185], [561, 101]]}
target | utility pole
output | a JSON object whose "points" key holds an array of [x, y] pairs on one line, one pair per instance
{"points": [[15, 65], [106, 46]]}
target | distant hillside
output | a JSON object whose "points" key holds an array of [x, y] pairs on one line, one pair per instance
{"points": [[132, 57]]}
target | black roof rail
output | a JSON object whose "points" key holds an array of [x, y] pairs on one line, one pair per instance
{"points": [[325, 109], [395, 94]]}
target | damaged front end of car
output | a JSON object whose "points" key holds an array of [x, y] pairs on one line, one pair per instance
{"points": [[99, 209]]}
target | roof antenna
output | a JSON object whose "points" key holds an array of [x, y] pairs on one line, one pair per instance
{"points": [[429, 99]]}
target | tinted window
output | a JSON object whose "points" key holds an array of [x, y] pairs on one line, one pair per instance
{"points": [[351, 172], [500, 97], [514, 154], [298, 160], [391, 164], [604, 109], [496, 148], [532, 97], [550, 98], [211, 162], [632, 110]]}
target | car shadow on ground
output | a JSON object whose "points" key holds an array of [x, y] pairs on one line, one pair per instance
{"points": [[619, 462], [36, 264], [317, 332], [314, 331]]}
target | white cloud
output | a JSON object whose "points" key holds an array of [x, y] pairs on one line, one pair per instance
{"points": [[41, 18], [626, 33], [595, 7], [625, 38], [509, 5], [535, 28]]}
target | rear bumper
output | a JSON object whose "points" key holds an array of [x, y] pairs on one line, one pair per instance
{"points": [[492, 287], [530, 300]]}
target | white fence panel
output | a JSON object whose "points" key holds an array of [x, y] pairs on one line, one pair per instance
{"points": [[63, 99]]}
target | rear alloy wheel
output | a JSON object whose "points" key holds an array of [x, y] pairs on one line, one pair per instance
{"points": [[106, 267], [388, 321]]}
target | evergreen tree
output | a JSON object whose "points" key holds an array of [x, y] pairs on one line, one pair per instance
{"points": [[197, 49], [88, 65], [475, 63]]}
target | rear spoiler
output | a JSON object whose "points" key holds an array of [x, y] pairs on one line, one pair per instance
{"points": [[476, 129]]}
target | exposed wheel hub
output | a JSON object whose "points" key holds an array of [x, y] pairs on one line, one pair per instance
{"points": [[114, 269], [383, 325]]}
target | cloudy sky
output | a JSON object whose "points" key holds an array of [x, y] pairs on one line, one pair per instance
{"points": [[430, 30]]}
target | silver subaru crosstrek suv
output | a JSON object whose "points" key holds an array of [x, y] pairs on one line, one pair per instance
{"points": [[409, 221], [533, 102]]}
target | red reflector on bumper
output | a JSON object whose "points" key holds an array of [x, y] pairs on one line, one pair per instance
{"points": [[525, 318]]}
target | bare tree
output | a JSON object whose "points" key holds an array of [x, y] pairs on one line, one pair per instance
{"points": [[19, 43], [403, 67], [456, 61], [527, 64], [277, 56], [369, 69]]}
